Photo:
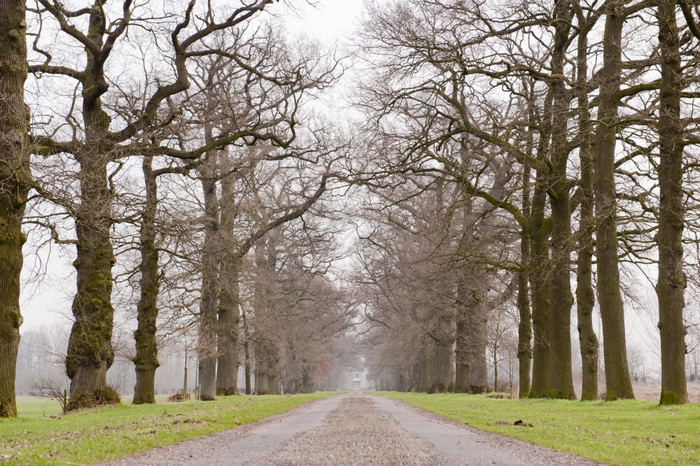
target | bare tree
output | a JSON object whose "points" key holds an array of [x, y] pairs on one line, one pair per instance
{"points": [[97, 140]]}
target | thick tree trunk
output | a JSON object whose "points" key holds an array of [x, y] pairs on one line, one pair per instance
{"points": [[15, 180], [443, 335], [90, 351], [229, 319], [525, 324], [470, 338], [476, 354], [618, 382], [426, 368], [443, 378], [462, 368], [229, 294], [561, 379], [266, 364], [671, 282], [262, 382], [206, 350], [146, 361], [585, 295], [539, 284]]}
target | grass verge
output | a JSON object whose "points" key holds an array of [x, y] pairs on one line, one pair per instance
{"points": [[40, 435], [619, 432]]}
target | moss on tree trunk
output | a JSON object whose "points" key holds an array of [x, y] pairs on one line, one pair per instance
{"points": [[540, 286], [206, 349], [229, 319], [15, 180], [90, 352], [146, 361], [560, 380], [672, 282]]}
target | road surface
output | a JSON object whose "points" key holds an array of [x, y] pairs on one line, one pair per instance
{"points": [[354, 429]]}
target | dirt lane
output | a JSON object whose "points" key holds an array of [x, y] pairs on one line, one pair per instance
{"points": [[354, 429]]}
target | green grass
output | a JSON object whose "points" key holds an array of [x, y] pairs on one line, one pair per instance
{"points": [[619, 432], [40, 435]]}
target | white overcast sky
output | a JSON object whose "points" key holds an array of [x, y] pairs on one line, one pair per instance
{"points": [[329, 20]]}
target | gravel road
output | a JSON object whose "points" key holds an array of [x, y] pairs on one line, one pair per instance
{"points": [[354, 429]]}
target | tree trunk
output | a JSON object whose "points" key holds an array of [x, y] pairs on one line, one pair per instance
{"points": [[470, 344], [146, 361], [246, 350], [476, 345], [262, 381], [229, 319], [561, 380], [539, 284], [525, 324], [585, 295], [266, 364], [90, 352], [16, 180], [462, 367], [618, 382], [523, 299], [671, 282], [495, 367], [229, 294], [442, 381], [206, 350]]}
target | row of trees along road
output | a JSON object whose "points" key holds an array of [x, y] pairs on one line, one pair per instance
{"points": [[200, 93], [521, 142], [504, 147]]}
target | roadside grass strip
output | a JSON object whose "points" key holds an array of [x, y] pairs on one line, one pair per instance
{"points": [[41, 435], [619, 432]]}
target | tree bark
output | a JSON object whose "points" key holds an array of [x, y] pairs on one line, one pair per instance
{"points": [[247, 352], [560, 379], [15, 181], [539, 284], [618, 382], [585, 295], [146, 361], [671, 282], [90, 352], [525, 324], [229, 319], [266, 370], [523, 298], [470, 343], [229, 291], [206, 350], [462, 367], [442, 381]]}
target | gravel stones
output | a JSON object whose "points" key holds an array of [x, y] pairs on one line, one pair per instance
{"points": [[355, 433]]}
